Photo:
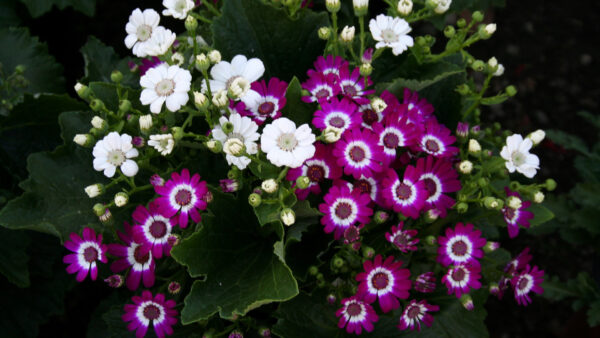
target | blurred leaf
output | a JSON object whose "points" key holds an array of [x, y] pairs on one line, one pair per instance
{"points": [[588, 168], [428, 74], [8, 14], [591, 118], [39, 7], [568, 141], [541, 214], [101, 60], [490, 101], [14, 257], [287, 47], [593, 314], [295, 109]]}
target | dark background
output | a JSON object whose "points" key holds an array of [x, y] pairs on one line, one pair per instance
{"points": [[550, 52]]}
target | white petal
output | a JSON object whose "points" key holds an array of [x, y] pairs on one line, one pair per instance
{"points": [[254, 70], [221, 72], [238, 63], [129, 168], [110, 171], [132, 153], [156, 105], [100, 163]]}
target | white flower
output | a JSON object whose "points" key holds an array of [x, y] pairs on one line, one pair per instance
{"points": [[145, 122], [269, 186], [160, 41], [238, 88], [163, 143], [220, 99], [490, 28], [139, 29], [405, 7], [537, 136], [391, 32], [177, 8], [442, 6], [378, 104], [499, 71], [165, 83], [245, 131], [347, 34], [114, 151], [224, 73], [517, 156], [286, 145]]}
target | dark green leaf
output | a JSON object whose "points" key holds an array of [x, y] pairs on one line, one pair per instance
{"points": [[490, 101], [588, 168], [568, 141], [14, 257], [306, 316], [264, 170], [295, 109], [541, 214], [8, 14], [591, 118], [101, 60], [39, 7], [593, 314], [267, 212], [237, 259], [287, 47], [428, 75]]}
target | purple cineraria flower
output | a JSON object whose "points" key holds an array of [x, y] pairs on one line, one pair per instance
{"points": [[152, 229], [149, 64], [321, 87], [436, 140], [419, 110], [462, 129], [328, 65], [528, 280], [355, 315], [87, 251], [407, 195], [353, 86], [415, 313], [184, 195], [358, 153], [384, 280], [460, 279], [425, 282], [318, 168], [394, 132], [516, 217], [114, 281], [367, 56], [156, 180], [135, 256], [403, 240], [518, 263], [439, 177], [265, 101], [342, 115], [460, 246], [369, 116], [228, 185], [343, 208], [352, 234], [146, 309], [368, 185]]}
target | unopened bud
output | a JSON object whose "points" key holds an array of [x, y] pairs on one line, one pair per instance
{"points": [[84, 140], [288, 217], [538, 197], [360, 7], [254, 199], [202, 62], [405, 7], [214, 56], [477, 16], [324, 33], [494, 289], [449, 32], [302, 182], [331, 299], [116, 76], [550, 184], [121, 199], [174, 288], [177, 59], [332, 134], [514, 202], [442, 6], [467, 302], [332, 5], [98, 122], [430, 240], [94, 190], [82, 90], [537, 136], [338, 262], [511, 90], [462, 129], [99, 209], [96, 105], [191, 23], [145, 122], [157, 181], [238, 88], [269, 186], [491, 246], [214, 145], [124, 106], [114, 281], [107, 216], [432, 215], [462, 207], [313, 270], [378, 104], [381, 217], [200, 101], [234, 147], [228, 185], [465, 167], [474, 146], [461, 23], [366, 69], [264, 332], [368, 252], [478, 65], [220, 99], [347, 34], [173, 240]]}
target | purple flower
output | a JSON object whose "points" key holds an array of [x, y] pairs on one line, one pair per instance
{"points": [[135, 256], [462, 129], [425, 283], [318, 168], [369, 116], [383, 280], [152, 229], [358, 153], [367, 56], [328, 65], [87, 251], [436, 140], [460, 246], [184, 195], [460, 279], [415, 313], [353, 87], [370, 186], [407, 195], [355, 315], [419, 110], [342, 115], [439, 177], [394, 132], [528, 280], [516, 217], [148, 309], [321, 87], [403, 240], [265, 101], [228, 185], [343, 208]]}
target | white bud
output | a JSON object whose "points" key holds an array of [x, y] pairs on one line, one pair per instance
{"points": [[220, 99], [474, 146], [94, 190], [537, 136], [269, 186], [83, 140], [378, 104], [145, 122], [499, 71], [202, 62], [494, 204], [234, 147], [465, 167], [98, 122], [360, 6], [163, 143], [200, 100], [332, 5], [347, 34], [492, 62], [177, 59], [442, 6], [538, 197], [238, 88], [214, 56], [288, 217], [78, 87], [405, 7], [121, 199], [490, 28], [514, 202], [332, 134]]}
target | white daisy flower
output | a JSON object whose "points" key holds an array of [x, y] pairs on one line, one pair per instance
{"points": [[244, 131], [177, 8], [225, 73], [165, 83], [163, 143], [286, 145], [114, 151], [391, 32], [517, 156], [139, 29], [160, 41]]}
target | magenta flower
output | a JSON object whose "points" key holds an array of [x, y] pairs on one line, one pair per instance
{"points": [[342, 115], [393, 133], [403, 240], [528, 280], [460, 246], [384, 281], [353, 86], [148, 64], [369, 186], [355, 315], [152, 229], [407, 195], [516, 217], [265, 101], [184, 195], [462, 278], [135, 256], [148, 309], [436, 140], [439, 178], [415, 313], [419, 110], [320, 167], [358, 153], [87, 251], [228, 185], [328, 65], [321, 87], [343, 208], [425, 282], [369, 116], [462, 129], [518, 263]]}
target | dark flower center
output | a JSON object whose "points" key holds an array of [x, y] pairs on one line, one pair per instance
{"points": [[139, 256], [403, 191], [351, 234], [432, 146], [413, 312], [380, 281], [369, 116], [151, 312], [158, 229], [357, 154], [401, 240], [458, 274], [391, 140], [90, 254], [266, 108], [337, 122], [315, 173], [430, 186], [183, 197], [364, 186], [459, 248], [322, 93], [523, 283], [349, 90], [354, 309], [509, 213], [343, 210]]}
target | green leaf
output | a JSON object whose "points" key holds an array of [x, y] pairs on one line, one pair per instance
{"points": [[286, 46], [492, 100], [541, 214], [428, 74], [591, 118], [267, 212], [8, 14], [264, 170], [295, 109], [39, 7], [593, 314], [101, 60], [54, 200], [14, 257], [306, 316], [42, 71], [236, 258], [568, 141]]}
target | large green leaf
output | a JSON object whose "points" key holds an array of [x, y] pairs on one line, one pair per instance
{"points": [[288, 47], [8, 14], [39, 7], [14, 257], [101, 60], [235, 255], [568, 141], [541, 214], [295, 109], [425, 76]]}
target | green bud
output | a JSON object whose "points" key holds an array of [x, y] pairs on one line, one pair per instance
{"points": [[333, 6], [514, 185], [83, 91], [421, 41], [449, 32], [116, 76], [202, 62], [320, 283], [124, 106], [490, 202], [121, 199], [429, 40], [313, 270], [430, 240], [99, 209], [214, 146], [477, 16], [511, 90], [483, 182], [302, 182], [462, 207], [96, 105], [227, 127], [324, 33], [191, 23], [320, 276], [550, 184], [431, 4], [338, 262], [177, 133], [461, 23], [496, 126], [254, 199], [366, 69], [233, 173], [463, 89], [478, 65], [381, 217], [20, 69], [368, 252]]}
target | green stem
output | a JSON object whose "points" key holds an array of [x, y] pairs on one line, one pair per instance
{"points": [[211, 8], [282, 174], [335, 33], [478, 98], [361, 22]]}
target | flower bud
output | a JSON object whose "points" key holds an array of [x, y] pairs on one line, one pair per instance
{"points": [[405, 7], [449, 32], [477, 16], [347, 34], [491, 246], [94, 190], [98, 122], [254, 199], [174, 287], [331, 299], [537, 136], [360, 7], [302, 182], [234, 147], [490, 202], [313, 270], [238, 88], [114, 281], [378, 104], [84, 140], [121, 199], [499, 71], [332, 5], [99, 209], [462, 207], [202, 62], [157, 181], [228, 185], [191, 23], [324, 33], [107, 216], [431, 215], [82, 91], [474, 146], [461, 23], [177, 59], [511, 90], [486, 31], [173, 239], [514, 202], [463, 89], [494, 289], [269, 186], [442, 6], [332, 134], [145, 122], [338, 262], [220, 99], [462, 129], [288, 217], [368, 252], [234, 173], [366, 69], [550, 184], [478, 65], [200, 101], [124, 106], [381, 217], [264, 332], [467, 302], [465, 167], [116, 76], [538, 197], [97, 105], [214, 145], [214, 56], [430, 240]]}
